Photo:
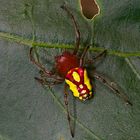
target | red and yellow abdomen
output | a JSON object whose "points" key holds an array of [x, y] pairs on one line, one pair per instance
{"points": [[79, 83]]}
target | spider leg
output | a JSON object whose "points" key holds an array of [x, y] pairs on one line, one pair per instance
{"points": [[32, 59], [53, 76], [110, 85], [67, 108], [43, 82], [83, 56], [43, 70], [77, 32], [97, 57], [100, 55]]}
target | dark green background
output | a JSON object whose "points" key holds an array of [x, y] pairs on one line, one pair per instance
{"points": [[28, 112]]}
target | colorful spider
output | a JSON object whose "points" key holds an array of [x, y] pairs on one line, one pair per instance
{"points": [[69, 67]]}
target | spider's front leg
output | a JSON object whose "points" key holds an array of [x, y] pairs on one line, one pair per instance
{"points": [[113, 88], [77, 32]]}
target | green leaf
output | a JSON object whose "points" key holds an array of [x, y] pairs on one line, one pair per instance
{"points": [[30, 112]]}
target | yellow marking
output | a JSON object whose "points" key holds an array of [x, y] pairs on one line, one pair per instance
{"points": [[80, 98], [69, 72], [86, 80], [73, 88], [85, 95], [81, 86], [83, 91], [76, 76]]}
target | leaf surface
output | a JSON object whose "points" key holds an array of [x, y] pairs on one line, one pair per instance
{"points": [[30, 112]]}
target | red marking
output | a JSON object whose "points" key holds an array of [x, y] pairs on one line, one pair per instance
{"points": [[80, 71]]}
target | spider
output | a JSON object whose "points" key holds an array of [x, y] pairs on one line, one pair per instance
{"points": [[69, 67]]}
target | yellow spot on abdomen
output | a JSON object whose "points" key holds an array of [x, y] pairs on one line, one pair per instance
{"points": [[83, 91], [76, 76], [81, 86]]}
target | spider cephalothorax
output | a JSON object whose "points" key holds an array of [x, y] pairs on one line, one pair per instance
{"points": [[69, 68], [65, 62]]}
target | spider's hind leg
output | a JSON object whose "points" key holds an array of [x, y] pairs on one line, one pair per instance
{"points": [[112, 87], [67, 108]]}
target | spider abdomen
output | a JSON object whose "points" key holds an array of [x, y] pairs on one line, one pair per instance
{"points": [[65, 62], [79, 83]]}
